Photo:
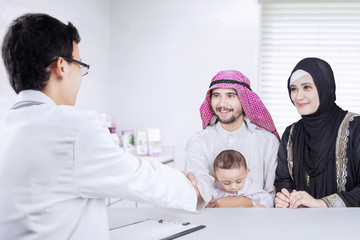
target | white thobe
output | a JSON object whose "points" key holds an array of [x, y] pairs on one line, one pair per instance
{"points": [[258, 146], [58, 163]]}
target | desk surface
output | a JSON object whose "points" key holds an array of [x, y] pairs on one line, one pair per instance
{"points": [[251, 223]]}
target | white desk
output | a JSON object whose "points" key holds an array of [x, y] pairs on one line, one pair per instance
{"points": [[251, 223]]}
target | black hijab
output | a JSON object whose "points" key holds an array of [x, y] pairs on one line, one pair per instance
{"points": [[314, 137]]}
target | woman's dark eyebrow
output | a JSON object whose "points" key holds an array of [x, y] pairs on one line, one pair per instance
{"points": [[293, 85]]}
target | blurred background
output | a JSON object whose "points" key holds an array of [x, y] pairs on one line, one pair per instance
{"points": [[152, 60]]}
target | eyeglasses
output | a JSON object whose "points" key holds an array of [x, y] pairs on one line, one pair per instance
{"points": [[84, 68]]}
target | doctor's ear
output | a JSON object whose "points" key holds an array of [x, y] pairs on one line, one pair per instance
{"points": [[59, 67]]}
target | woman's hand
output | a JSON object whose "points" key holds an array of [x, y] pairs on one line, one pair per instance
{"points": [[304, 199], [282, 199]]}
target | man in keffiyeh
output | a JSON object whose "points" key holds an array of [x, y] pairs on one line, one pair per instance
{"points": [[233, 117]]}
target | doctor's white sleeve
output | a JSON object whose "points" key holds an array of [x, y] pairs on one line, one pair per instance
{"points": [[103, 169]]}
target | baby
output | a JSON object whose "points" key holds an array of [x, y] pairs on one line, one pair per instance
{"points": [[230, 173]]}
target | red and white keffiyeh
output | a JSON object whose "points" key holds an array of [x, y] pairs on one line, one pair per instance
{"points": [[252, 105]]}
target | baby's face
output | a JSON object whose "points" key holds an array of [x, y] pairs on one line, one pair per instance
{"points": [[231, 180]]}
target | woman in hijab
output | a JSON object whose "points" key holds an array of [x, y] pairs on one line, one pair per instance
{"points": [[319, 156]]}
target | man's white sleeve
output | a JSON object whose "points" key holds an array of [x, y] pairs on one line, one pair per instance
{"points": [[196, 162], [270, 162]]}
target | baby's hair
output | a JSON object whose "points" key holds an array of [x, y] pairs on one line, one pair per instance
{"points": [[229, 159]]}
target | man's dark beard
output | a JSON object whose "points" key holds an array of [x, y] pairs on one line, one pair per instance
{"points": [[230, 120]]}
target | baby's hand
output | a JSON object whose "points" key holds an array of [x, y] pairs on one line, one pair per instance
{"points": [[212, 203]]}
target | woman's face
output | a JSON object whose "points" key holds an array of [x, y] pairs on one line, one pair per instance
{"points": [[304, 95]]}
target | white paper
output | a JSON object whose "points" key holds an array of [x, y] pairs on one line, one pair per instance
{"points": [[148, 229]]}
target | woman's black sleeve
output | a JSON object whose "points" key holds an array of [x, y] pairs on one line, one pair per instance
{"points": [[283, 178]]}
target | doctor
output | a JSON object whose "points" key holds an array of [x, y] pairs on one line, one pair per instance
{"points": [[57, 161]]}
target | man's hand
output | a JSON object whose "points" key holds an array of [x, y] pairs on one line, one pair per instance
{"points": [[193, 179], [231, 202]]}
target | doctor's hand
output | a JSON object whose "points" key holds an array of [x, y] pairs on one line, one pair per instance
{"points": [[193, 179], [304, 199], [282, 199]]}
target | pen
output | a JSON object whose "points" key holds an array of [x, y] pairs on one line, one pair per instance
{"points": [[174, 221], [184, 232]]}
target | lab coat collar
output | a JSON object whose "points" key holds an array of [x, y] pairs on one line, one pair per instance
{"points": [[34, 95]]}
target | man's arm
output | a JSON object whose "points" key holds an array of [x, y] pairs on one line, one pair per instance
{"points": [[197, 163], [270, 163], [231, 202]]}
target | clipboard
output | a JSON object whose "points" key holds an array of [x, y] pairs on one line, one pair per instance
{"points": [[154, 229]]}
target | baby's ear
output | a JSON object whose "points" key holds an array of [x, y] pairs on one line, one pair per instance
{"points": [[214, 175], [248, 170]]}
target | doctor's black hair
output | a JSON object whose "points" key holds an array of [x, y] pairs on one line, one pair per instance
{"points": [[30, 43]]}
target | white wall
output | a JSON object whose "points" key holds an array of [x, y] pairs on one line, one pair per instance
{"points": [[91, 18], [164, 54]]}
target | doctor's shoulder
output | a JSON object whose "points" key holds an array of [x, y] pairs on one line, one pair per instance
{"points": [[77, 115]]}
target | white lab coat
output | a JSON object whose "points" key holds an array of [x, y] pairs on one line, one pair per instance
{"points": [[258, 146], [58, 163]]}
